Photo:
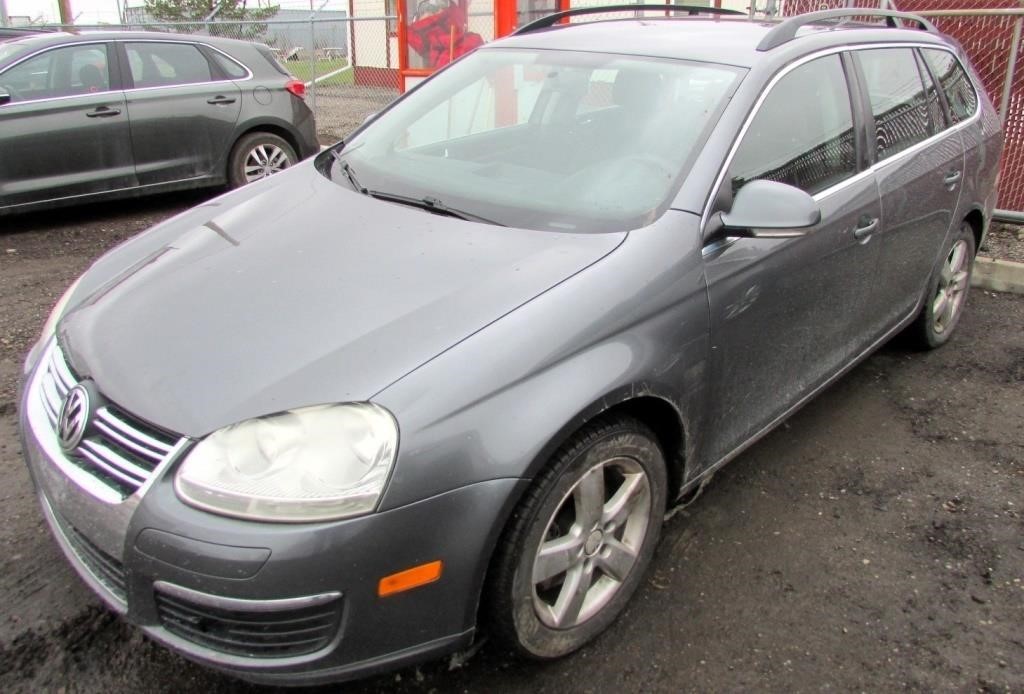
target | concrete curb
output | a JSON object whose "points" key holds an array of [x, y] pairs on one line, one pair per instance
{"points": [[998, 275]]}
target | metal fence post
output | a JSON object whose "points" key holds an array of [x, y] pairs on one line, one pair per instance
{"points": [[312, 62], [1011, 67]]}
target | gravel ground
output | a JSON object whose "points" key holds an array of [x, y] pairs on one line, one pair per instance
{"points": [[874, 542], [340, 110], [1004, 241]]}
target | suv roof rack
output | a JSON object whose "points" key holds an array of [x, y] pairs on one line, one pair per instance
{"points": [[552, 19], [786, 30]]}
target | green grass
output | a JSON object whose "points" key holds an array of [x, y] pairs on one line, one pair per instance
{"points": [[306, 71]]}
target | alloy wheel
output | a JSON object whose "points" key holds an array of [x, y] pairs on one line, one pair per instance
{"points": [[591, 544], [264, 160], [949, 295]]}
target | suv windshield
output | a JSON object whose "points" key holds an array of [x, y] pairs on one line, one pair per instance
{"points": [[559, 140]]}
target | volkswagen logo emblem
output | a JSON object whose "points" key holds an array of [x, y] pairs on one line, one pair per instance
{"points": [[74, 418]]}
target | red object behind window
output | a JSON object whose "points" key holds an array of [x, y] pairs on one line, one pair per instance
{"points": [[297, 88]]}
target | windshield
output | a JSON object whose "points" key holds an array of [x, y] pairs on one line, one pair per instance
{"points": [[558, 140]]}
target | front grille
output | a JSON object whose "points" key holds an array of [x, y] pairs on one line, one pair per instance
{"points": [[276, 634], [104, 568], [118, 449]]}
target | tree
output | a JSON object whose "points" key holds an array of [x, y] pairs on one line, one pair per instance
{"points": [[188, 11]]}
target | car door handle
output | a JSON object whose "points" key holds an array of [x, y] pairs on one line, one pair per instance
{"points": [[219, 100], [103, 112], [952, 178], [865, 228]]}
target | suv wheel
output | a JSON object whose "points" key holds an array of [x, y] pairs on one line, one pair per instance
{"points": [[580, 541], [258, 155]]}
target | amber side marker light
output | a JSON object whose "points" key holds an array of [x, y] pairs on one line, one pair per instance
{"points": [[410, 578]]}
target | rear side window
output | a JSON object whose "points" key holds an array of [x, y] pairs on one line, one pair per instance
{"points": [[898, 99], [68, 71], [803, 133], [960, 94], [165, 64]]}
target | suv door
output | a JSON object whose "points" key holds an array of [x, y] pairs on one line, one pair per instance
{"points": [[787, 314], [64, 131], [920, 164], [183, 113]]}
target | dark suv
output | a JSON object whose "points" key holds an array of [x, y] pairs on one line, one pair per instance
{"points": [[96, 115], [516, 317]]}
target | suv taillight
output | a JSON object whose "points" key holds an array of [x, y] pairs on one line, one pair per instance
{"points": [[297, 88]]}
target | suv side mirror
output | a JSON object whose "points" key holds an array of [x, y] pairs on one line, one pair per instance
{"points": [[767, 209], [5, 96]]}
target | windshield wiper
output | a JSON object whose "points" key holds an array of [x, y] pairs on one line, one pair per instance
{"points": [[431, 204], [350, 174]]}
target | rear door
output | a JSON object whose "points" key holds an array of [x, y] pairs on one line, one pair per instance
{"points": [[64, 131], [919, 166], [787, 314], [183, 112]]}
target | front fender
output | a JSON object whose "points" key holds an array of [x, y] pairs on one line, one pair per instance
{"points": [[500, 402]]}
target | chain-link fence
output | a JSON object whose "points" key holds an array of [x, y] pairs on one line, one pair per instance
{"points": [[989, 31]]}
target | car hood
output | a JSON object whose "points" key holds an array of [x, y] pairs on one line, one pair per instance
{"points": [[296, 292]]}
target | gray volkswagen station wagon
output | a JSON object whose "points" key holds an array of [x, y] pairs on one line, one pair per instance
{"points": [[451, 374], [101, 115]]}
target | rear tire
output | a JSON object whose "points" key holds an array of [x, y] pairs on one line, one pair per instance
{"points": [[946, 294], [580, 541], [258, 155]]}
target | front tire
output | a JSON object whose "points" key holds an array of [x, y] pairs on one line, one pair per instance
{"points": [[580, 541], [258, 155], [946, 294]]}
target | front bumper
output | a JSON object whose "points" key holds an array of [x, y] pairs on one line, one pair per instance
{"points": [[275, 603]]}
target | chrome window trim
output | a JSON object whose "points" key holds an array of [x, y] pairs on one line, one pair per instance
{"points": [[248, 73], [820, 195]]}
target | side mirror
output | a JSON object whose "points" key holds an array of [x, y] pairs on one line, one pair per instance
{"points": [[5, 96], [767, 209]]}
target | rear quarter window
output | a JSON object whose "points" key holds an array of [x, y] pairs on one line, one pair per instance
{"points": [[957, 86], [232, 69]]}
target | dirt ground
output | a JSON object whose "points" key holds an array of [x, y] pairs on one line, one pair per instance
{"points": [[875, 542]]}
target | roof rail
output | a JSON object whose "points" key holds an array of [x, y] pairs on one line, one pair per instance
{"points": [[786, 30], [552, 19]]}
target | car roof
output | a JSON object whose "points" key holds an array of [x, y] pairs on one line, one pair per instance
{"points": [[731, 41], [35, 41]]}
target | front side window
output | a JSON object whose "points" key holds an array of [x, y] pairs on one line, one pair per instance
{"points": [[803, 133], [554, 140], [68, 71], [166, 64], [899, 102], [960, 94]]}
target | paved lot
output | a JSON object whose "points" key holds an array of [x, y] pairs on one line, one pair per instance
{"points": [[874, 542]]}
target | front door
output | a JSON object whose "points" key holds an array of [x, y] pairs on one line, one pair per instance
{"points": [[787, 314], [183, 115], [64, 130]]}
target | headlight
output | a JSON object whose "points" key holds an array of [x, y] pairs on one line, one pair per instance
{"points": [[51, 324], [312, 464]]}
